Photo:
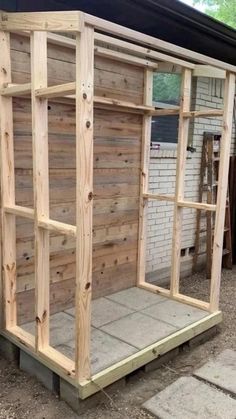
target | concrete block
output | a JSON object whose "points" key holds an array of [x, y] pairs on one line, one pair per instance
{"points": [[70, 395], [139, 330], [175, 313], [31, 366], [136, 298], [9, 351], [221, 371], [163, 359], [203, 337], [190, 398]]}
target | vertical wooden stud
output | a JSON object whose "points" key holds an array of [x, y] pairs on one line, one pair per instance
{"points": [[7, 189], [84, 198], [41, 185], [180, 177], [222, 190], [145, 156], [209, 215]]}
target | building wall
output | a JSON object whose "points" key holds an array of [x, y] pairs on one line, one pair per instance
{"points": [[206, 93]]}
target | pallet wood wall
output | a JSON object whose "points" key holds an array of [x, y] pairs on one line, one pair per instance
{"points": [[117, 155]]}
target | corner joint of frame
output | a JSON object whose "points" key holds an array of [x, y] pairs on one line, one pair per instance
{"points": [[3, 21], [81, 21]]}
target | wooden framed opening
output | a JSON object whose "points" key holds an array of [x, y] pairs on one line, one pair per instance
{"points": [[80, 75]]}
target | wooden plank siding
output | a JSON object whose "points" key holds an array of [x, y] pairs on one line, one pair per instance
{"points": [[117, 155]]}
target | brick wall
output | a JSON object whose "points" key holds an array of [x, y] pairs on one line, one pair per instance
{"points": [[206, 93]]}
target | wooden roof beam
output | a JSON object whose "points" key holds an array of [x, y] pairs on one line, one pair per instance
{"points": [[66, 21]]}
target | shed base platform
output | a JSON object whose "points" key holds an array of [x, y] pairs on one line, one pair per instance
{"points": [[130, 329]]}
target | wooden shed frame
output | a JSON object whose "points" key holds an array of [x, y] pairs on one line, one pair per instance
{"points": [[147, 52]]}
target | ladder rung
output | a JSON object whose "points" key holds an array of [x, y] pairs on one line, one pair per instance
{"points": [[226, 252]]}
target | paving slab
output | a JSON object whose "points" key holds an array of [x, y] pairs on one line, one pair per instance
{"points": [[62, 327], [104, 311], [175, 313], [191, 399], [139, 330], [136, 298], [221, 371], [106, 350]]}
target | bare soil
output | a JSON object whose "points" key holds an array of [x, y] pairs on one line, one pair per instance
{"points": [[23, 397]]}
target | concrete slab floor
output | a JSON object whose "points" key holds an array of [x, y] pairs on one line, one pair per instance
{"points": [[104, 311], [62, 328], [221, 371], [192, 399], [122, 324], [106, 350], [136, 298], [139, 330], [175, 313]]}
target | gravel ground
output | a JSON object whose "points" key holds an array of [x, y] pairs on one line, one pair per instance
{"points": [[22, 397]]}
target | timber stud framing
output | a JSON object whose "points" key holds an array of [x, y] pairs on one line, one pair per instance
{"points": [[145, 54]]}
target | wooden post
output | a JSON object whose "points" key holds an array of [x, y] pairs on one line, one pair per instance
{"points": [[7, 189], [41, 185], [222, 190], [209, 215], [84, 198], [180, 178], [145, 156]]}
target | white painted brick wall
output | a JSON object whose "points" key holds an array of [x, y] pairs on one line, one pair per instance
{"points": [[206, 93]]}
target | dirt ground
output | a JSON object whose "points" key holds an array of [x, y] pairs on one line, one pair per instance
{"points": [[22, 397]]}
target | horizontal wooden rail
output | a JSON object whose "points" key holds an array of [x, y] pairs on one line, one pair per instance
{"points": [[67, 90], [121, 103], [165, 112], [57, 226], [206, 112], [142, 51], [20, 211], [159, 197], [48, 224], [56, 91], [16, 89], [197, 205], [23, 336], [177, 297], [187, 204], [125, 58]]}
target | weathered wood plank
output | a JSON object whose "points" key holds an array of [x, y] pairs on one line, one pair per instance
{"points": [[117, 150]]}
